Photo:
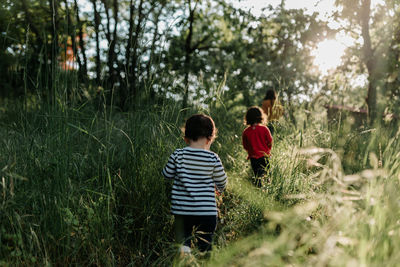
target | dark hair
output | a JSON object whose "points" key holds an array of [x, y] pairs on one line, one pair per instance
{"points": [[270, 95], [198, 126], [254, 115]]}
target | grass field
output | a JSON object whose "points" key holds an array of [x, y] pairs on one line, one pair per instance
{"points": [[83, 187]]}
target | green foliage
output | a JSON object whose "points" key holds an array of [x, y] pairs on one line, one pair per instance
{"points": [[226, 44], [75, 178], [377, 56], [84, 187], [338, 219], [80, 180]]}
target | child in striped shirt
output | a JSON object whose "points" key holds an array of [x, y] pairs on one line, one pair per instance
{"points": [[196, 172]]}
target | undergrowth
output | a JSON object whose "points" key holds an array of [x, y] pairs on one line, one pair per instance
{"points": [[83, 187]]}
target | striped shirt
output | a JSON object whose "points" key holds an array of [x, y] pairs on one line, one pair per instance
{"points": [[196, 173]]}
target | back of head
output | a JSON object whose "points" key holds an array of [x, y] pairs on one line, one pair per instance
{"points": [[198, 126], [270, 95], [254, 115]]}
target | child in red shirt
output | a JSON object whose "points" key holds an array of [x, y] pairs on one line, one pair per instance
{"points": [[257, 141]]}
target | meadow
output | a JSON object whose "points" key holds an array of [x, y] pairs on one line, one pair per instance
{"points": [[83, 187], [93, 95]]}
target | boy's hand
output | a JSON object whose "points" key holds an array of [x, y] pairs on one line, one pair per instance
{"points": [[219, 203], [218, 196]]}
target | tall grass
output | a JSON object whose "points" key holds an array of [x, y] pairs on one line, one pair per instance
{"points": [[332, 216], [84, 187], [80, 186]]}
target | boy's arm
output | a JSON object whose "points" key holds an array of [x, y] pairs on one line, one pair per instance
{"points": [[219, 175], [169, 170]]}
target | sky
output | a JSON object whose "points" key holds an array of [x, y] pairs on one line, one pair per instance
{"points": [[324, 58], [322, 6]]}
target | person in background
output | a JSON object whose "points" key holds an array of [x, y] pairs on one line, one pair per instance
{"points": [[272, 110], [257, 141], [196, 172]]}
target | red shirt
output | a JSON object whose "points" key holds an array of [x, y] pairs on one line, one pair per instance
{"points": [[257, 140]]}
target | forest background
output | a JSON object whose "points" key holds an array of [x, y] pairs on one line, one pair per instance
{"points": [[93, 95]]}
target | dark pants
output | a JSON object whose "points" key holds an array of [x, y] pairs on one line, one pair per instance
{"points": [[199, 229], [260, 167]]}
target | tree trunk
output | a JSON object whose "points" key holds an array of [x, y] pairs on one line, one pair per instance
{"points": [[54, 24], [54, 51], [291, 110], [113, 56], [188, 55], [37, 45], [152, 51], [125, 90], [369, 59], [96, 29], [134, 71], [111, 38], [83, 71]]}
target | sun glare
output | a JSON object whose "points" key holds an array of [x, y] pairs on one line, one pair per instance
{"points": [[328, 55]]}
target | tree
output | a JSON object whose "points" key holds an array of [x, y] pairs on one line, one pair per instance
{"points": [[274, 51], [392, 57], [83, 69], [111, 36], [190, 52], [359, 18], [97, 37]]}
